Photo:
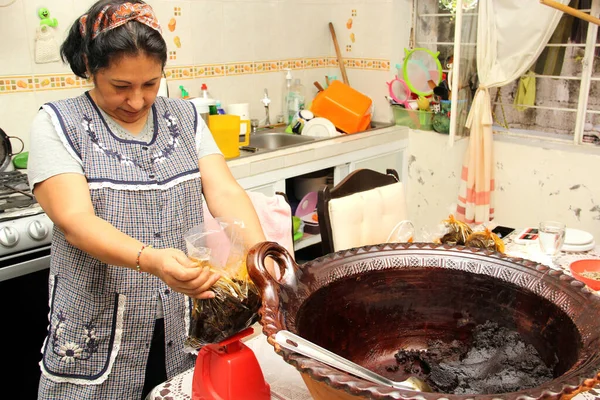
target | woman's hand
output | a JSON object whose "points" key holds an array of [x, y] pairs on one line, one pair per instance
{"points": [[183, 275]]}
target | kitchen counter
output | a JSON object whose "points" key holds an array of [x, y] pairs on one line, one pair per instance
{"points": [[267, 167]]}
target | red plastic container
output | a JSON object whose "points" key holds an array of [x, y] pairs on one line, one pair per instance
{"points": [[590, 265], [229, 371]]}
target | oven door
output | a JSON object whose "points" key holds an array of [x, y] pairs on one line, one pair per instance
{"points": [[24, 299], [23, 263]]}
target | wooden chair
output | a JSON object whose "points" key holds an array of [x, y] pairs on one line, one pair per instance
{"points": [[361, 210]]}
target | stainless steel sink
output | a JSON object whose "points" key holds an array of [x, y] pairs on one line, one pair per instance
{"points": [[273, 141]]}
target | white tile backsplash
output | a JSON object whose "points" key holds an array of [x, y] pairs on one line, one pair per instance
{"points": [[347, 24], [374, 25], [215, 32], [14, 46], [16, 113], [268, 26], [207, 38], [238, 31], [179, 41]]}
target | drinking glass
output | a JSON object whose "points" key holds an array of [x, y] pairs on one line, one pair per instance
{"points": [[551, 237]]}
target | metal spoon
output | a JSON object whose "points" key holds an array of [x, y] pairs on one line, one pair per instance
{"points": [[295, 343]]}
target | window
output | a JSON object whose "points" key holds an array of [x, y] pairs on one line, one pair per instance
{"points": [[566, 105], [434, 28]]}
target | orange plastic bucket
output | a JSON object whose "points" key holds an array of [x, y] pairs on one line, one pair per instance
{"points": [[348, 109]]}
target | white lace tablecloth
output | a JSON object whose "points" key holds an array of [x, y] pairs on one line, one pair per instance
{"points": [[561, 262], [285, 380]]}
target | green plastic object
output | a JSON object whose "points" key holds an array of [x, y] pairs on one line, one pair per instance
{"points": [[20, 160], [184, 93], [421, 62], [297, 225], [44, 15], [296, 222]]}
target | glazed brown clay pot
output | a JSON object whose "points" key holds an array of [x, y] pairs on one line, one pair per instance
{"points": [[367, 303]]}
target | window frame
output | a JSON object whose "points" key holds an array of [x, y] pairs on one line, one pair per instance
{"points": [[585, 80]]}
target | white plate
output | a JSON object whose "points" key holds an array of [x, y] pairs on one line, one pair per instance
{"points": [[578, 248], [577, 237], [319, 127]]}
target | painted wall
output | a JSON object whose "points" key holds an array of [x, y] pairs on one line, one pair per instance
{"points": [[237, 47], [535, 181]]}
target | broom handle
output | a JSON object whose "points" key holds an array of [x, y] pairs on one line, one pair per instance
{"points": [[571, 11], [339, 54]]}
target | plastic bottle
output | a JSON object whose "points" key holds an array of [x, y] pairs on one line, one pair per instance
{"points": [[220, 109], [296, 99], [287, 95], [204, 102], [204, 92]]}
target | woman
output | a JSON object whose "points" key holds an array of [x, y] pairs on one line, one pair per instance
{"points": [[116, 170]]}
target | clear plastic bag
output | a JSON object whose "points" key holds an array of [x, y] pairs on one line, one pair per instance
{"points": [[403, 232], [219, 244]]}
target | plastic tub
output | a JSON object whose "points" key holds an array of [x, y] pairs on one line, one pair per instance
{"points": [[590, 265], [348, 109], [414, 119]]}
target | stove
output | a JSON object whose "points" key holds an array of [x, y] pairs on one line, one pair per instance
{"points": [[25, 236], [24, 227]]}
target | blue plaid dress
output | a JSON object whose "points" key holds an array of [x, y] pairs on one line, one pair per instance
{"points": [[102, 316]]}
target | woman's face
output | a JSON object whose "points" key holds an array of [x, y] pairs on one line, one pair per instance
{"points": [[126, 89]]}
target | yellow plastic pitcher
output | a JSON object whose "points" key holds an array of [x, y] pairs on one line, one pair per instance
{"points": [[226, 131]]}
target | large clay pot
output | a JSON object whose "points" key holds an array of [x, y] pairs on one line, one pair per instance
{"points": [[365, 304]]}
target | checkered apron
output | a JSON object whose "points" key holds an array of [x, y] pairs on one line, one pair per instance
{"points": [[102, 316]]}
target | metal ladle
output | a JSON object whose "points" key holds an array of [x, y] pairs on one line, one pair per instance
{"points": [[295, 343]]}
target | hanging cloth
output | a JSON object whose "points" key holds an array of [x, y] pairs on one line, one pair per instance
{"points": [[507, 45], [46, 48], [525, 92]]}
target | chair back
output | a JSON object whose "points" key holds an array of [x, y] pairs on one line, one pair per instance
{"points": [[361, 210]]}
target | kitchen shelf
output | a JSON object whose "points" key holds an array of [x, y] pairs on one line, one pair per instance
{"points": [[307, 240]]}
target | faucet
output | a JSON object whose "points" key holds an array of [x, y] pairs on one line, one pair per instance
{"points": [[266, 101]]}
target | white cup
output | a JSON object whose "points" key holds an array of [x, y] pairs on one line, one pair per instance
{"points": [[243, 111]]}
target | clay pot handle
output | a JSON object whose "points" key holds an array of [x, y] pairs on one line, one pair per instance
{"points": [[258, 272]]}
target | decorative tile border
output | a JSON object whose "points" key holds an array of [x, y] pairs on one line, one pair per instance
{"points": [[15, 84], [28, 83]]}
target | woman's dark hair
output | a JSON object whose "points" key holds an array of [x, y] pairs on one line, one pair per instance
{"points": [[132, 38]]}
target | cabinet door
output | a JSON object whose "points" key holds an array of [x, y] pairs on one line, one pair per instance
{"points": [[269, 189], [381, 163], [340, 172]]}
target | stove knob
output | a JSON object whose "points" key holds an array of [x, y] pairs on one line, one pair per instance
{"points": [[9, 236], [37, 230]]}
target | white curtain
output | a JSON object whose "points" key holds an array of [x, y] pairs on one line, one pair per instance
{"points": [[511, 34]]}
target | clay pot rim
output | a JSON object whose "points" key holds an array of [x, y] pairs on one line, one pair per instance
{"points": [[567, 384]]}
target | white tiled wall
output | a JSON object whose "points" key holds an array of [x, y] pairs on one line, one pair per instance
{"points": [[215, 31]]}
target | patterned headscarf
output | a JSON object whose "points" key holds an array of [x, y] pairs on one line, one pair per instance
{"points": [[126, 12]]}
